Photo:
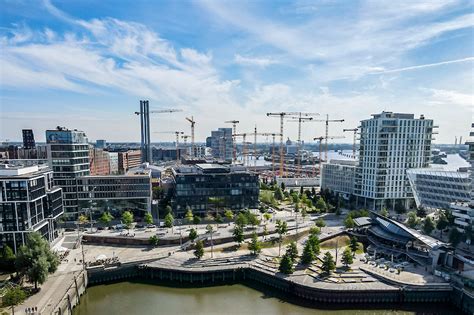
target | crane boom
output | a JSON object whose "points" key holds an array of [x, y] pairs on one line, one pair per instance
{"points": [[193, 122]]}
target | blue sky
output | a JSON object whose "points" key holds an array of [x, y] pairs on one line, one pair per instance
{"points": [[86, 64]]}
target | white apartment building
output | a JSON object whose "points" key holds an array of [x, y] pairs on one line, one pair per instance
{"points": [[390, 144], [338, 176]]}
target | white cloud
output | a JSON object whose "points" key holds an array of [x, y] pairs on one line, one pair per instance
{"points": [[254, 61]]}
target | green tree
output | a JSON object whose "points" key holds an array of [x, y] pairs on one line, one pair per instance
{"points": [[169, 220], [328, 264], [154, 240], [7, 259], [189, 217], [267, 216], [253, 220], [320, 223], [168, 209], [192, 235], [148, 218], [313, 240], [282, 185], [314, 230], [442, 222], [82, 219], [384, 212], [241, 220], [412, 219], [13, 296], [238, 234], [281, 229], [127, 219], [353, 245], [229, 215], [106, 218], [255, 246], [304, 213], [428, 225], [308, 254], [455, 237], [286, 265], [196, 220], [278, 194], [321, 204], [347, 257], [219, 219], [292, 251], [199, 250], [349, 222]]}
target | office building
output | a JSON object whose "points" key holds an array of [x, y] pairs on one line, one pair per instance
{"points": [[113, 163], [28, 139], [116, 193], [100, 144], [390, 144], [221, 144], [99, 161], [129, 159], [167, 154], [28, 203], [338, 176], [213, 188], [436, 188], [68, 156]]}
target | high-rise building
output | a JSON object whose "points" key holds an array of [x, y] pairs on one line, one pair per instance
{"points": [[100, 144], [28, 203], [113, 162], [145, 131], [68, 155], [221, 144], [390, 144], [28, 139]]}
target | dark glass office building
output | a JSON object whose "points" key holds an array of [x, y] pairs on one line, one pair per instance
{"points": [[212, 188], [28, 139], [28, 202]]}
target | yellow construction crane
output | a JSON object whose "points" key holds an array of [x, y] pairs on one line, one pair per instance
{"points": [[326, 137], [177, 133], [282, 117], [320, 139], [234, 142], [193, 122], [354, 130]]}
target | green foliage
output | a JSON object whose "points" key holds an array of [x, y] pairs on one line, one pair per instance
{"points": [[267, 216], [455, 236], [189, 217], [154, 240], [399, 207], [238, 234], [286, 265], [106, 218], [320, 223], [384, 212], [353, 245], [219, 219], [347, 257], [314, 230], [321, 204], [35, 259], [252, 219], [7, 259], [412, 220], [13, 296], [82, 219], [308, 254], [241, 220], [255, 246], [349, 222], [148, 218], [278, 194], [127, 219], [292, 251], [168, 209], [328, 263], [229, 215], [442, 222], [313, 240], [199, 250], [428, 226], [169, 220], [282, 185], [193, 235], [196, 220]]}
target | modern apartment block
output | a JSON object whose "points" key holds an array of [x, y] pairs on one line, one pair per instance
{"points": [[338, 176], [28, 139], [129, 159], [99, 161], [390, 144], [28, 203], [68, 156], [113, 163], [213, 187], [221, 144]]}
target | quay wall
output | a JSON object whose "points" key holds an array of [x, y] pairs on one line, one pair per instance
{"points": [[72, 295]]}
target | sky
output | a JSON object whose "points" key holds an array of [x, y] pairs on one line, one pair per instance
{"points": [[86, 65]]}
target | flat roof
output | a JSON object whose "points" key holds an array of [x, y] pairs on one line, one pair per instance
{"points": [[362, 221]]}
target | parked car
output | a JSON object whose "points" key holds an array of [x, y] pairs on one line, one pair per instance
{"points": [[151, 226], [139, 226]]}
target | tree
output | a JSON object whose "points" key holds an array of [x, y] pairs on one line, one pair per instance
{"points": [[228, 215], [455, 237], [314, 230], [353, 245], [219, 218], [301, 190], [106, 218], [292, 251], [7, 259], [412, 219], [267, 216], [238, 234], [169, 220], [253, 220], [199, 250], [196, 220], [265, 231], [278, 194], [442, 222], [241, 220], [328, 263], [282, 185], [192, 235], [148, 218], [320, 223], [428, 225], [321, 204], [255, 246], [347, 257], [399, 207], [304, 213], [313, 240], [168, 209], [189, 217], [349, 222], [308, 254], [384, 212], [127, 219], [282, 229], [13, 296], [154, 240], [286, 265]]}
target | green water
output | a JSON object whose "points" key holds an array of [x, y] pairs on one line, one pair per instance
{"points": [[137, 298]]}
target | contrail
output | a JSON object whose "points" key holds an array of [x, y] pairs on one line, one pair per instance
{"points": [[429, 65]]}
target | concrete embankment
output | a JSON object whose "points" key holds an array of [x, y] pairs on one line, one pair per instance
{"points": [[72, 295]]}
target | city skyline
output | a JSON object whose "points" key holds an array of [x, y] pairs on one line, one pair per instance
{"points": [[86, 65]]}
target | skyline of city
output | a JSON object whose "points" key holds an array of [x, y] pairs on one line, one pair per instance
{"points": [[236, 61]]}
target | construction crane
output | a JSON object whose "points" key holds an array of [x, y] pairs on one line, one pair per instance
{"points": [[234, 142], [177, 133], [320, 139], [326, 136], [354, 130], [282, 117], [301, 118], [185, 138], [244, 144], [193, 122]]}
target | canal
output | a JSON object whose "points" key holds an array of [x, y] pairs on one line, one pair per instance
{"points": [[139, 298]]}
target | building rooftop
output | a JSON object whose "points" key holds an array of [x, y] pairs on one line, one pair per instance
{"points": [[395, 115], [17, 169]]}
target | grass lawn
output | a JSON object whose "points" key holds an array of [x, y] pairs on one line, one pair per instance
{"points": [[340, 240]]}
